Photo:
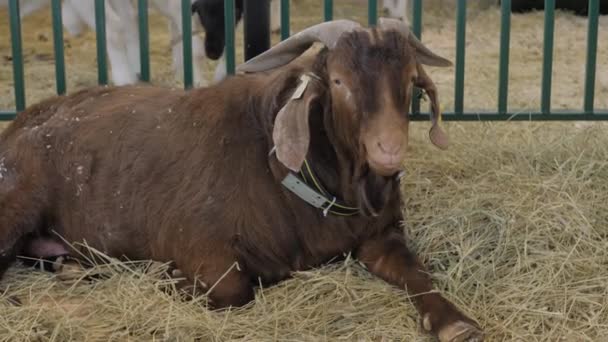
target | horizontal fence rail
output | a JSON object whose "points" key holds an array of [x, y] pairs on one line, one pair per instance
{"points": [[503, 113]]}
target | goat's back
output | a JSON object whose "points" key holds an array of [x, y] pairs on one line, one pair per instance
{"points": [[120, 162]]}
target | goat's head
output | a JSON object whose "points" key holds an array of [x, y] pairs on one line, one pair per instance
{"points": [[211, 15], [365, 78]]}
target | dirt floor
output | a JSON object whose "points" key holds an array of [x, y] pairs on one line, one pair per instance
{"points": [[511, 220]]}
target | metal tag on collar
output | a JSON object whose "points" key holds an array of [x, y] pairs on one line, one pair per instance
{"points": [[298, 187]]}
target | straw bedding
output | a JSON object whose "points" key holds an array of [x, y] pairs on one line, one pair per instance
{"points": [[511, 220]]}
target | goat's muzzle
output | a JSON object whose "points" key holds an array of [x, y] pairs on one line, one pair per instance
{"points": [[385, 158], [385, 140]]}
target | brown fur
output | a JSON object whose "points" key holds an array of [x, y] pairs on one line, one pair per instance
{"points": [[152, 173]]}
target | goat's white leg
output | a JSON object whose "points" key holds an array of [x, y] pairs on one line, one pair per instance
{"points": [[71, 19], [121, 72], [81, 10], [127, 14], [117, 44], [275, 15], [198, 61], [199, 68], [31, 6], [132, 44]]}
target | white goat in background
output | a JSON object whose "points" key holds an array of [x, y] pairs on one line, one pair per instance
{"points": [[122, 33]]}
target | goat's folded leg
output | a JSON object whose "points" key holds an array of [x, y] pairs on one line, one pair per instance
{"points": [[387, 257], [22, 202], [220, 277]]}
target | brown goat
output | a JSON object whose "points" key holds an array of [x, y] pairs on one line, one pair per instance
{"points": [[208, 178]]}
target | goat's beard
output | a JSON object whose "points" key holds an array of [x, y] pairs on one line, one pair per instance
{"points": [[375, 192]]}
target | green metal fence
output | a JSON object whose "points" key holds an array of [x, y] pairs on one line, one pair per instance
{"points": [[588, 112]]}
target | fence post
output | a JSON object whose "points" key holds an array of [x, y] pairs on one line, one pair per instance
{"points": [[285, 29], [503, 76], [593, 13], [17, 52], [144, 40], [372, 12], [417, 29], [187, 42], [58, 47], [461, 19], [100, 31], [328, 10], [257, 27], [545, 105], [229, 33]]}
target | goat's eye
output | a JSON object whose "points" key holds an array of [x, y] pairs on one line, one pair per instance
{"points": [[337, 81]]}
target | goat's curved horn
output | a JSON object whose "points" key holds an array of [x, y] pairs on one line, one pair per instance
{"points": [[327, 33], [423, 54]]}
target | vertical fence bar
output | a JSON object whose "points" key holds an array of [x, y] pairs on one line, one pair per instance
{"points": [[19, 83], [285, 29], [461, 19], [417, 29], [503, 74], [187, 42], [328, 10], [100, 32], [144, 40], [372, 12], [58, 46], [545, 105], [229, 30], [256, 26], [593, 14]]}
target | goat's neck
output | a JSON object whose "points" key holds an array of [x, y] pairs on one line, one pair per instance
{"points": [[332, 167], [326, 168]]}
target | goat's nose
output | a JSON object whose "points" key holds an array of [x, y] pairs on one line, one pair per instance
{"points": [[391, 147]]}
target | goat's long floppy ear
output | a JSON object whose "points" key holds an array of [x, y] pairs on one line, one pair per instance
{"points": [[427, 57], [423, 54], [438, 137], [327, 33], [291, 132]]}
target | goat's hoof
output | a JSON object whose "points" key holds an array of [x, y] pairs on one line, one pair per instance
{"points": [[177, 273], [460, 331]]}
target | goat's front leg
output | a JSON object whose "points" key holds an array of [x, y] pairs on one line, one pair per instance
{"points": [[388, 257]]}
